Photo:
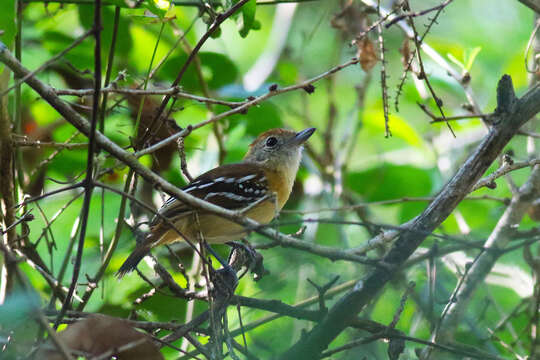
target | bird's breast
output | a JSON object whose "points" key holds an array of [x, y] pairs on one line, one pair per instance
{"points": [[281, 185]]}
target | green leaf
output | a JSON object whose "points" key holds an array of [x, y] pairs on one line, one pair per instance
{"points": [[245, 22], [389, 181], [216, 34], [409, 210], [236, 143], [158, 7], [256, 25], [262, 117], [124, 42], [328, 235], [469, 57], [245, 127], [288, 72], [218, 70], [453, 59], [81, 56], [398, 126], [7, 24]]}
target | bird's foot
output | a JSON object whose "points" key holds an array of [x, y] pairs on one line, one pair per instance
{"points": [[224, 282], [244, 255]]}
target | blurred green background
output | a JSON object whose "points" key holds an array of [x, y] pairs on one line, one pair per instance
{"points": [[485, 38]]}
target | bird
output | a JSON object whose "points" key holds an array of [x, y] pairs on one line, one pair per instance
{"points": [[261, 184]]}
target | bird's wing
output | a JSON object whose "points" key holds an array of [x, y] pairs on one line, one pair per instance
{"points": [[221, 186]]}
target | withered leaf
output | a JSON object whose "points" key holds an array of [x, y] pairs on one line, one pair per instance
{"points": [[99, 335], [366, 53], [405, 52]]}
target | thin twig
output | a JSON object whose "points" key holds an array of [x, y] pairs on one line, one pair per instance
{"points": [[423, 74], [416, 14], [435, 118], [505, 168], [384, 87], [47, 63], [244, 106], [38, 144], [88, 182], [175, 91], [217, 22]]}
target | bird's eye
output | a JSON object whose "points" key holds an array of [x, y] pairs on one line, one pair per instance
{"points": [[271, 141]]}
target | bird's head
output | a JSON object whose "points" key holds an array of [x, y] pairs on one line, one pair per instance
{"points": [[278, 148]]}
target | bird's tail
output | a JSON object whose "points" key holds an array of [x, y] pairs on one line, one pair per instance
{"points": [[133, 259]]}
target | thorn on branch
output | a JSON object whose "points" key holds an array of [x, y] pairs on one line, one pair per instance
{"points": [[466, 78], [491, 185], [309, 88]]}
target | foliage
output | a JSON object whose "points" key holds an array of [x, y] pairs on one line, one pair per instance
{"points": [[356, 182]]}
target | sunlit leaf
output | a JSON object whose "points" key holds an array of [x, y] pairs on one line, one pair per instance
{"points": [[470, 56], [158, 7], [456, 61], [398, 126], [7, 22]]}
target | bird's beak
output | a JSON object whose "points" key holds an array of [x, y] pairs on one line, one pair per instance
{"points": [[303, 135]]}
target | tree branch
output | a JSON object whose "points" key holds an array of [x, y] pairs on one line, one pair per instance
{"points": [[499, 238], [88, 182], [532, 4], [510, 115], [130, 159]]}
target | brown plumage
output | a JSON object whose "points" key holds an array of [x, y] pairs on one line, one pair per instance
{"points": [[268, 170]]}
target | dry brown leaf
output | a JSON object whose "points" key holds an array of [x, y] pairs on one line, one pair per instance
{"points": [[162, 158], [351, 20], [366, 53], [99, 335], [405, 52]]}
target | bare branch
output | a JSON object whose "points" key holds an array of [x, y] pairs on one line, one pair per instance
{"points": [[316, 340], [496, 242]]}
